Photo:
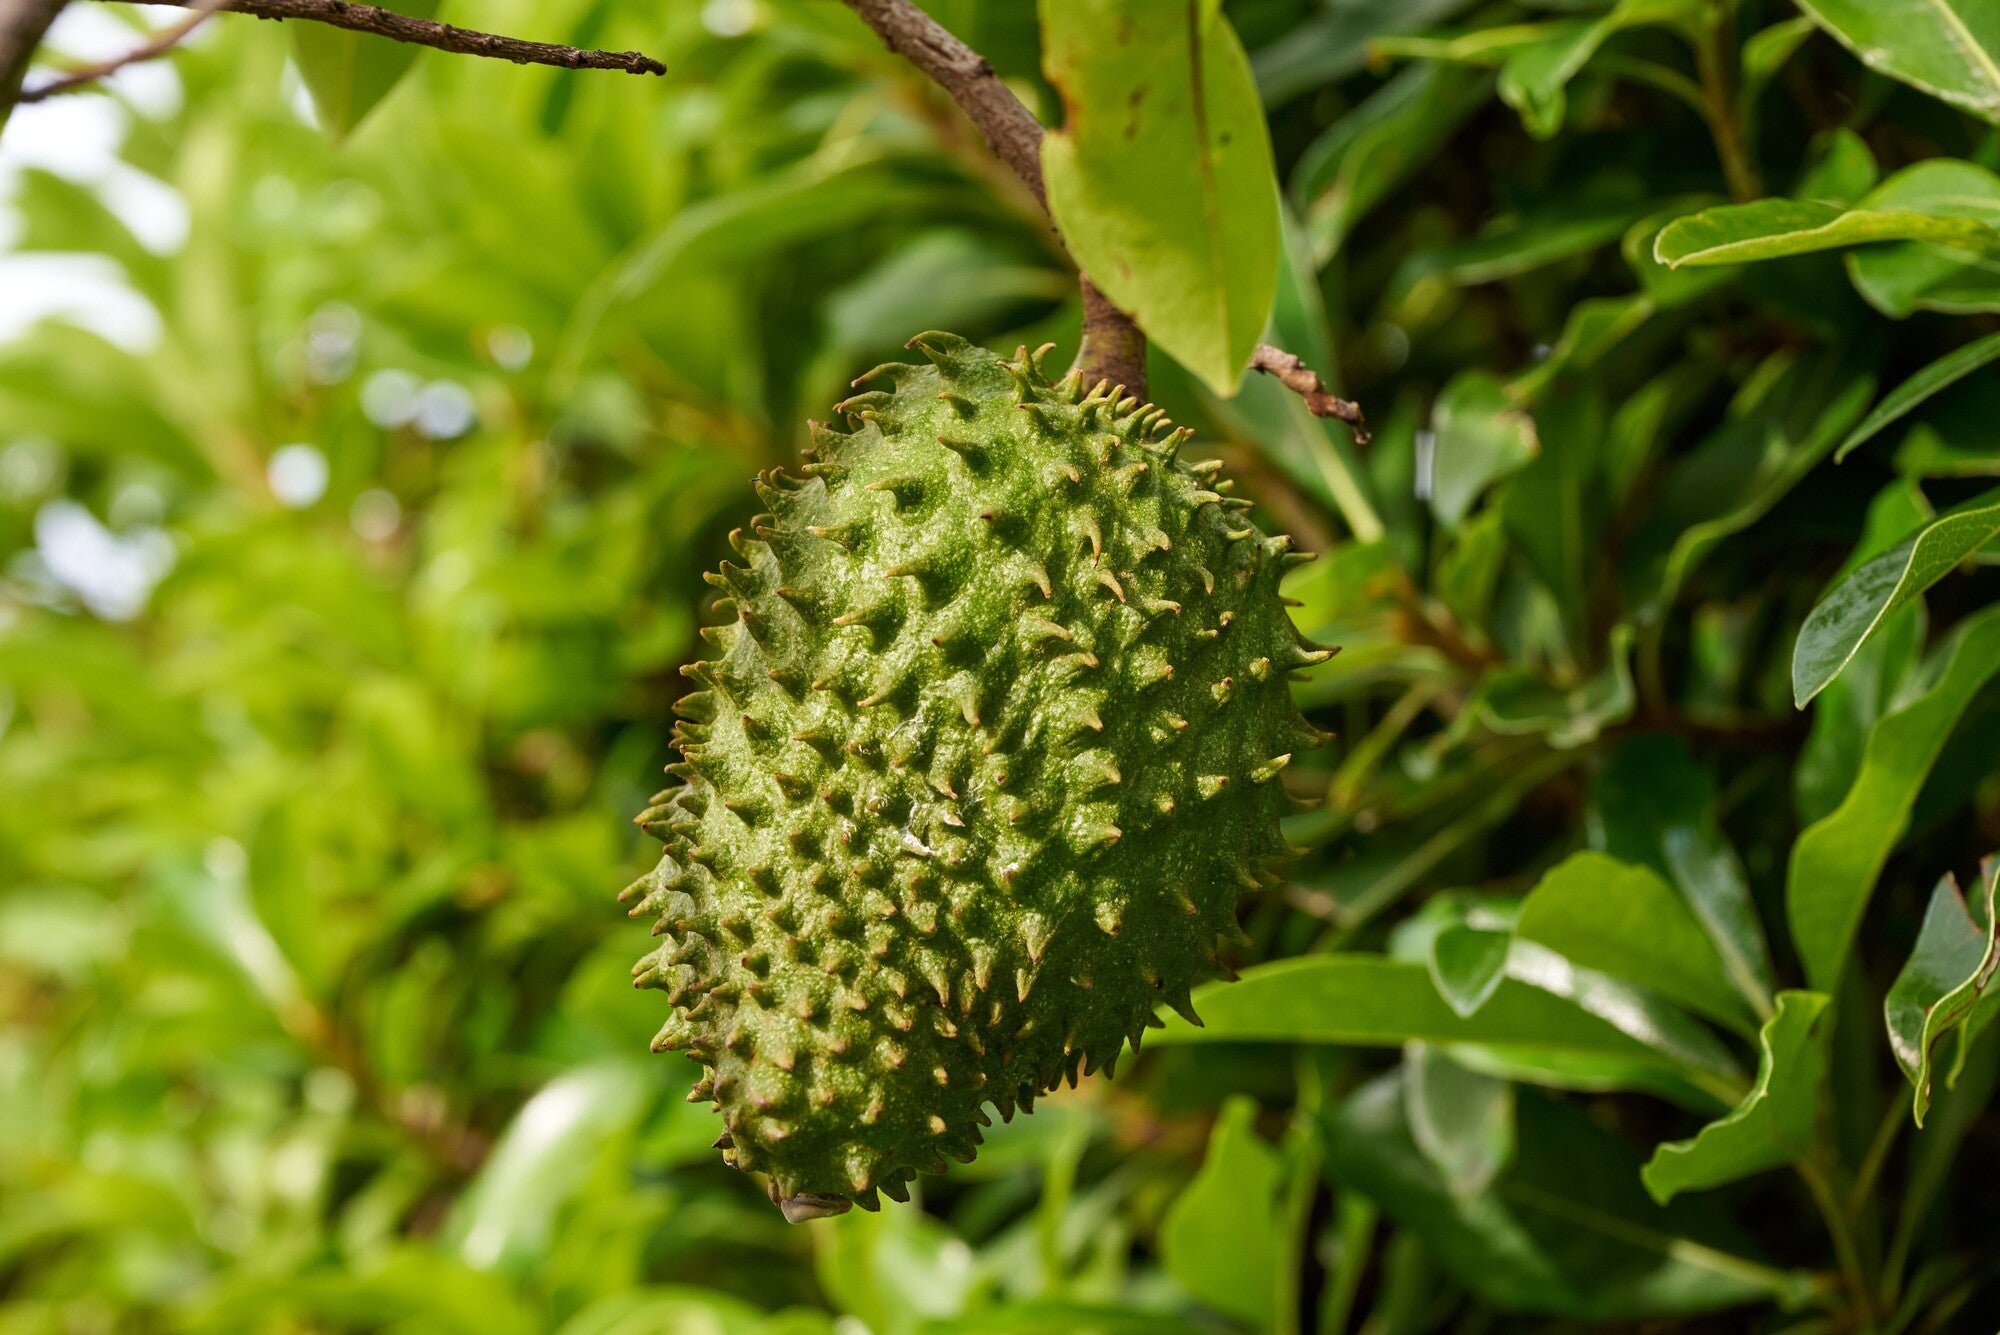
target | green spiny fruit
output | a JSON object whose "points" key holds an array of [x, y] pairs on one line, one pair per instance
{"points": [[985, 752]]}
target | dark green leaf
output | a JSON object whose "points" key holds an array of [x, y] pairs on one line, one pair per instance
{"points": [[1774, 1123], [1934, 379], [1856, 608], [1461, 1119], [1834, 864]]}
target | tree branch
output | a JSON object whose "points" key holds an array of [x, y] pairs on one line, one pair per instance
{"points": [[1113, 348], [152, 49], [1302, 380], [438, 36], [22, 24]]}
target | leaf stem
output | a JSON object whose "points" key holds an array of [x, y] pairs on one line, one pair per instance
{"points": [[1842, 1234], [1715, 58]]}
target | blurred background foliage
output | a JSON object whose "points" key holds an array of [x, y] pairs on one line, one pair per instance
{"points": [[353, 499]]}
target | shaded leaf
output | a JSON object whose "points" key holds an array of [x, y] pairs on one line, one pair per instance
{"points": [[1566, 1229], [1162, 178], [1945, 978], [1934, 379], [1468, 964], [1462, 1120], [1774, 1123], [1221, 1238], [1834, 863], [1481, 435], [1857, 607]]}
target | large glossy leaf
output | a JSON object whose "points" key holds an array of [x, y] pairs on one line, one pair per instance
{"points": [[1774, 1123], [349, 73], [1834, 864], [1948, 48], [1566, 1229], [1859, 605], [1161, 177], [1933, 380], [1625, 921], [1221, 1239], [1955, 204], [1945, 978]]}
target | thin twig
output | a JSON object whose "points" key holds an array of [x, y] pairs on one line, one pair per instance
{"points": [[1113, 348], [22, 23], [1302, 380], [438, 36], [152, 49]]}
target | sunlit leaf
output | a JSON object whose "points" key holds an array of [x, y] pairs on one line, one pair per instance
{"points": [[1947, 48], [1169, 202]]}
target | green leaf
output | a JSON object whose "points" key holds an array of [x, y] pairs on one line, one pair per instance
{"points": [[1834, 863], [1162, 180], [1565, 1229], [1625, 921], [1517, 702], [1481, 436], [1334, 42], [1462, 1119], [1467, 965], [1948, 48], [1534, 77], [1655, 806], [1934, 379], [1774, 1123], [1899, 279], [1945, 978], [1946, 203], [349, 73], [1221, 1239], [1366, 1000], [1851, 613]]}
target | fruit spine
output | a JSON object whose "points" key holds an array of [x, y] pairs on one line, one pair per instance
{"points": [[987, 747]]}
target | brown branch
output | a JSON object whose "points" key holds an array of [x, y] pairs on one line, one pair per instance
{"points": [[1113, 348], [1302, 380], [158, 45], [22, 24], [438, 36]]}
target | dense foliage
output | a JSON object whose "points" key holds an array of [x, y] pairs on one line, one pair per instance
{"points": [[341, 624]]}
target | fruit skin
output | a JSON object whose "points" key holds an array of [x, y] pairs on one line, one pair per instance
{"points": [[985, 752]]}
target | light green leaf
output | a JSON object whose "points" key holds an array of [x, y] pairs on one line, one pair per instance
{"points": [[1221, 1239], [1834, 863], [1565, 1229], [1774, 1123], [1369, 1001], [1934, 379], [1625, 921], [1945, 978], [1902, 278], [1948, 48], [1481, 436], [1462, 1119], [349, 73], [1945, 203], [1162, 179], [1851, 613]]}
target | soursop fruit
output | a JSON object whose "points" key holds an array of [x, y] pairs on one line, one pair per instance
{"points": [[984, 753]]}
